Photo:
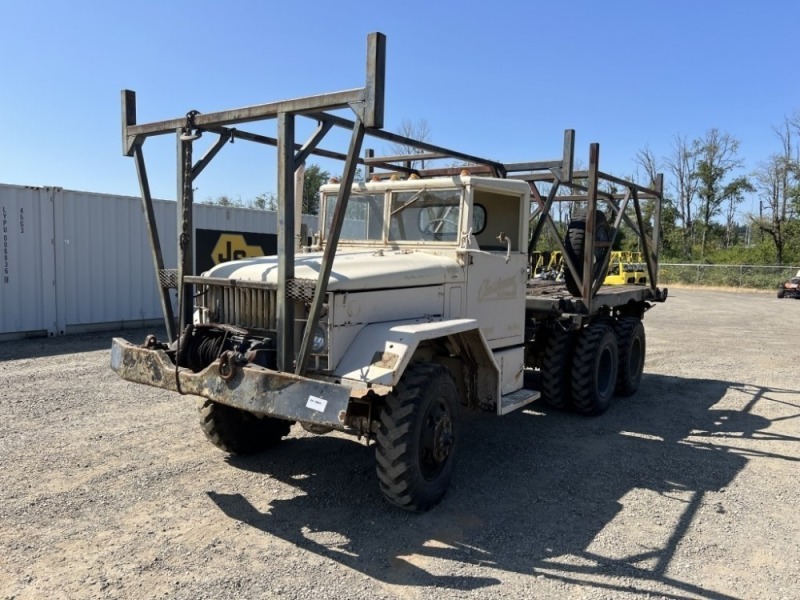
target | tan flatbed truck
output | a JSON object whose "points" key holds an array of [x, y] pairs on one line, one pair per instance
{"points": [[414, 301]]}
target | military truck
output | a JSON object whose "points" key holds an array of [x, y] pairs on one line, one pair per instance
{"points": [[413, 302]]}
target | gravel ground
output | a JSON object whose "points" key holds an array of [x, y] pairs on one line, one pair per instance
{"points": [[686, 490]]}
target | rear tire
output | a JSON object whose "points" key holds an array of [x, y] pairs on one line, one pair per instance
{"points": [[575, 242], [238, 431], [556, 367], [781, 293], [594, 369], [631, 344], [418, 437]]}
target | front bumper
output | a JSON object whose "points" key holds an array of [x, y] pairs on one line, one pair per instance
{"points": [[252, 388]]}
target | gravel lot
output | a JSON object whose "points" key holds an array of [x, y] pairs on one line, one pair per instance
{"points": [[686, 490]]}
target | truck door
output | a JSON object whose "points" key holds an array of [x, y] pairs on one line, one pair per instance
{"points": [[497, 272]]}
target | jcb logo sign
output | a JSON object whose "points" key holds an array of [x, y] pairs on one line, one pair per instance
{"points": [[233, 246], [214, 246]]}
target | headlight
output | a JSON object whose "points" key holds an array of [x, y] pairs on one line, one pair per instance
{"points": [[319, 341]]}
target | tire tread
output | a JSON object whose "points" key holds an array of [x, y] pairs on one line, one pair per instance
{"points": [[393, 451]]}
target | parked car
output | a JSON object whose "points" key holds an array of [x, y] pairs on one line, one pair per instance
{"points": [[790, 288]]}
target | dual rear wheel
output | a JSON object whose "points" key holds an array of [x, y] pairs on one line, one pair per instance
{"points": [[585, 369]]}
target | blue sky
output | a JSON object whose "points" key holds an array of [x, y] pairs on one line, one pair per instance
{"points": [[501, 80]]}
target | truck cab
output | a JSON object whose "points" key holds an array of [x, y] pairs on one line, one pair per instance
{"points": [[444, 249]]}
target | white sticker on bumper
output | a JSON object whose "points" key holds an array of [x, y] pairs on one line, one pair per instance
{"points": [[317, 404]]}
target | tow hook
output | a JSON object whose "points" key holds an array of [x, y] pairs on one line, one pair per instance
{"points": [[152, 343], [228, 362]]}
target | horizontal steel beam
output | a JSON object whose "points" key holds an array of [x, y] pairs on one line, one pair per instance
{"points": [[406, 157], [257, 112], [455, 171], [541, 165], [366, 102], [549, 178], [650, 193], [238, 134], [399, 139]]}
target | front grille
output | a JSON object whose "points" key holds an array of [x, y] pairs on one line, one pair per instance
{"points": [[301, 290], [253, 305], [239, 304]]}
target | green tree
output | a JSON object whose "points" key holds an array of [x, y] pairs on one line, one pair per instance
{"points": [[682, 166], [266, 202], [733, 196], [717, 158], [225, 200], [313, 179], [778, 184]]}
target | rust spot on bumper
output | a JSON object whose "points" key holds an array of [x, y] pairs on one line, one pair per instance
{"points": [[252, 388]]}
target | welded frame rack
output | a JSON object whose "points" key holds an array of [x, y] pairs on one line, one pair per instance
{"points": [[367, 106]]}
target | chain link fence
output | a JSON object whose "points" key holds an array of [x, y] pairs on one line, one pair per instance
{"points": [[744, 276]]}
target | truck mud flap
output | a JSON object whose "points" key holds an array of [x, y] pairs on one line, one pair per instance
{"points": [[251, 388]]}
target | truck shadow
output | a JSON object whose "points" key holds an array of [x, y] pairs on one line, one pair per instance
{"points": [[536, 492]]}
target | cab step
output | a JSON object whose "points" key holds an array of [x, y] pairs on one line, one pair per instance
{"points": [[516, 400]]}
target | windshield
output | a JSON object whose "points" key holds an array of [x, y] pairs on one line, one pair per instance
{"points": [[363, 219], [414, 216], [425, 216]]}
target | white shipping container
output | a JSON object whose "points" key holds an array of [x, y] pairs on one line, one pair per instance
{"points": [[73, 261], [27, 267], [103, 259]]}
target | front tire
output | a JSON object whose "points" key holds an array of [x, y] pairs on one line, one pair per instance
{"points": [[240, 432], [781, 293], [418, 437], [594, 368]]}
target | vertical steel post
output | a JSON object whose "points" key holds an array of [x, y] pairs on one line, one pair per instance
{"points": [[657, 217], [286, 218], [568, 160], [128, 119], [368, 168], [185, 228], [589, 233], [155, 243], [135, 149], [649, 253], [331, 242], [376, 77]]}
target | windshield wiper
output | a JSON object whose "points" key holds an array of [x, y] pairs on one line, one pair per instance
{"points": [[408, 203]]}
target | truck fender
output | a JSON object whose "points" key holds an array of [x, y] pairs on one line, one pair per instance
{"points": [[380, 353]]}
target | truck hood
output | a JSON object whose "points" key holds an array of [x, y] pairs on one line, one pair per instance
{"points": [[353, 270]]}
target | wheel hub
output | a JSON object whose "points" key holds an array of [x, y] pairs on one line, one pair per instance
{"points": [[436, 441], [442, 439]]}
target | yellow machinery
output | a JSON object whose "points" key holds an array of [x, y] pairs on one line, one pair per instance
{"points": [[626, 268]]}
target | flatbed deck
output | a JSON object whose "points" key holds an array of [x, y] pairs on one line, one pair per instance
{"points": [[548, 298]]}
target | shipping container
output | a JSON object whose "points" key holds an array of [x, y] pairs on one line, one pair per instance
{"points": [[76, 261], [27, 265]]}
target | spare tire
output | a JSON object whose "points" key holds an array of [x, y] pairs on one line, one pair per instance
{"points": [[575, 242]]}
